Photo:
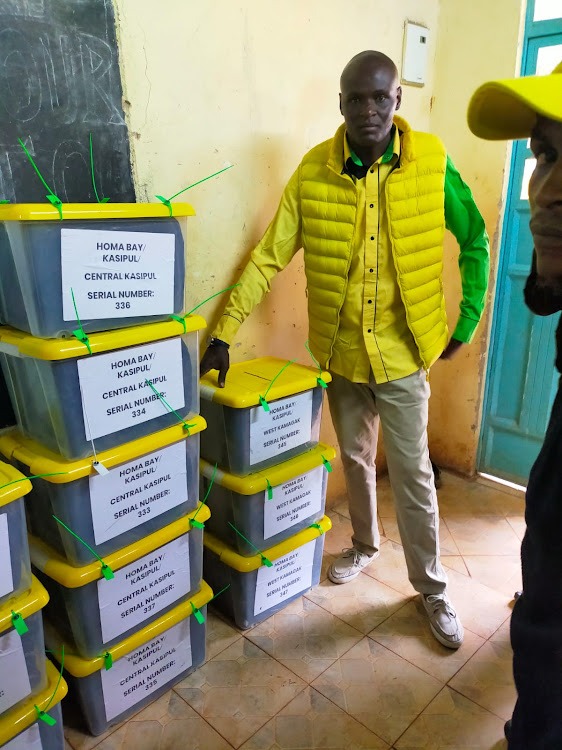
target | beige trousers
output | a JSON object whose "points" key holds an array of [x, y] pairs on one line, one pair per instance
{"points": [[402, 408]]}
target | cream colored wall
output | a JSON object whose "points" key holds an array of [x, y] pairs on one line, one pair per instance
{"points": [[477, 41], [254, 83]]}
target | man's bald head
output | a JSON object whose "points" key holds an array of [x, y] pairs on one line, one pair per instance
{"points": [[367, 60], [370, 95]]}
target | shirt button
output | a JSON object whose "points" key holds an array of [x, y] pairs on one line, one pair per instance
{"points": [[370, 270], [372, 205], [372, 171], [368, 330], [369, 301], [372, 238]]}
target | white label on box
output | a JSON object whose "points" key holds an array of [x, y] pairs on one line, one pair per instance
{"points": [[144, 587], [14, 680], [115, 394], [6, 577], [290, 575], [287, 425], [292, 502], [116, 274], [135, 492], [135, 676], [28, 740]]}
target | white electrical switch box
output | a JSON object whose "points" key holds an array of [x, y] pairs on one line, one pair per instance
{"points": [[414, 58]]}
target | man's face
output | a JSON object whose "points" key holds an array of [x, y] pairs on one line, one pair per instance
{"points": [[545, 198], [368, 100]]}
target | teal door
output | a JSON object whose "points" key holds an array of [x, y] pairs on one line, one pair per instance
{"points": [[522, 379]]}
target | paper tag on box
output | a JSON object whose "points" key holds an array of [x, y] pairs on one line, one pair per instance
{"points": [[14, 679], [6, 577], [146, 669], [292, 502], [116, 274], [115, 394], [290, 575], [28, 740], [286, 425], [137, 491], [145, 587]]}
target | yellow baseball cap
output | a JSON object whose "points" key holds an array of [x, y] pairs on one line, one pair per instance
{"points": [[505, 110]]}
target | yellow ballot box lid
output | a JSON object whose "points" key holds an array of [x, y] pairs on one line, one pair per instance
{"points": [[80, 667], [247, 381], [73, 211], [54, 565], [274, 475], [41, 461], [246, 564], [24, 715], [18, 343], [25, 604], [13, 484]]}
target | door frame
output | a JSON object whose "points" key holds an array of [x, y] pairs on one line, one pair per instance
{"points": [[533, 31]]}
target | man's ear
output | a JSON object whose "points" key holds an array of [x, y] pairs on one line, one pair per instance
{"points": [[398, 97], [340, 105]]}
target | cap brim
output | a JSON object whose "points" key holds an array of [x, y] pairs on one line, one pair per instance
{"points": [[502, 110]]}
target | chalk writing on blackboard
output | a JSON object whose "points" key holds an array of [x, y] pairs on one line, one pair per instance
{"points": [[60, 81]]}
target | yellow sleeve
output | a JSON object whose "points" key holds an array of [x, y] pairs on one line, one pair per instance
{"points": [[279, 244]]}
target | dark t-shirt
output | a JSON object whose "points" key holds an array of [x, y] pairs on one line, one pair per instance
{"points": [[545, 300]]}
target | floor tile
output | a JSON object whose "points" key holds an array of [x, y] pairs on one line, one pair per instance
{"points": [[501, 635], [312, 721], [362, 603], [164, 726], [484, 535], [79, 739], [339, 537], [327, 560], [512, 506], [487, 679], [305, 638], [455, 562], [407, 633], [220, 635], [468, 498], [378, 688], [239, 690], [480, 608], [499, 572], [390, 568], [342, 508], [518, 525], [452, 722]]}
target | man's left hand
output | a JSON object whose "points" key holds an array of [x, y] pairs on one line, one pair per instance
{"points": [[452, 348]]}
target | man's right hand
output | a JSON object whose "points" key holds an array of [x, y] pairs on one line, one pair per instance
{"points": [[216, 358]]}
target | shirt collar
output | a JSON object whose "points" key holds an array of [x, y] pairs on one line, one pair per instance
{"points": [[353, 163]]}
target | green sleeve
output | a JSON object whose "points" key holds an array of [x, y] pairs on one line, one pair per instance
{"points": [[464, 220]]}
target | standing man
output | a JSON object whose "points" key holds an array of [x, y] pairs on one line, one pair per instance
{"points": [[369, 207], [523, 108]]}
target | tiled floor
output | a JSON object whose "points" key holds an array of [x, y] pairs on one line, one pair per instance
{"points": [[355, 666]]}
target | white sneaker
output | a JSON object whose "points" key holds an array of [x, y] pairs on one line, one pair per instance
{"points": [[443, 620], [348, 566]]}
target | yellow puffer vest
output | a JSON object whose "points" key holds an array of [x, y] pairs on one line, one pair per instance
{"points": [[415, 200]]}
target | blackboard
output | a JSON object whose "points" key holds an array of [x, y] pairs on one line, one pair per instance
{"points": [[59, 82]]}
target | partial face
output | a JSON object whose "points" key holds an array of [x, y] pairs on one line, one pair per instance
{"points": [[545, 198], [369, 97]]}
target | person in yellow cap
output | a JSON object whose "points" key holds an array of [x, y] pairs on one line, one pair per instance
{"points": [[520, 108]]}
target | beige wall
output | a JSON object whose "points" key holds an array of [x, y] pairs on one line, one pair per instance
{"points": [[477, 41], [254, 83]]}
